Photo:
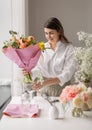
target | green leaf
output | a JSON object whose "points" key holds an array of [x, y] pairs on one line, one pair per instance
{"points": [[12, 32], [15, 45]]}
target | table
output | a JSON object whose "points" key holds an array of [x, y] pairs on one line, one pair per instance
{"points": [[43, 122]]}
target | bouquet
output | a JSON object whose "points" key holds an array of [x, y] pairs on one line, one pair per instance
{"points": [[24, 51], [79, 95], [83, 58]]}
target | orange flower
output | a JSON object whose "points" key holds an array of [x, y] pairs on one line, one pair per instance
{"points": [[31, 38], [21, 42]]}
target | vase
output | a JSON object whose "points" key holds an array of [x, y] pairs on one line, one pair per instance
{"points": [[27, 86], [25, 95], [77, 112], [63, 109], [53, 112], [25, 98]]}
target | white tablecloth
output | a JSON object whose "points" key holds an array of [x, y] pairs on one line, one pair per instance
{"points": [[43, 122]]}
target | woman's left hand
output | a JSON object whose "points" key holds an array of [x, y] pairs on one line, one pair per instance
{"points": [[37, 86]]}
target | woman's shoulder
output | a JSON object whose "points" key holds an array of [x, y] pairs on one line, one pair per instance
{"points": [[69, 48], [69, 45]]}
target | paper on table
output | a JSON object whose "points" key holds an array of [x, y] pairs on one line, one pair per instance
{"points": [[21, 110]]}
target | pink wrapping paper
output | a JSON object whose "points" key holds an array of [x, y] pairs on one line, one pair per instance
{"points": [[26, 58], [21, 110]]}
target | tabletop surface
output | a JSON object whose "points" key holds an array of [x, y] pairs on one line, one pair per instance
{"points": [[43, 122]]}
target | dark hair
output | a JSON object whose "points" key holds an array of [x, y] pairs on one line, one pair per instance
{"points": [[54, 23]]}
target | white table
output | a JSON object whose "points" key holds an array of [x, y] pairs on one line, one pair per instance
{"points": [[43, 122]]}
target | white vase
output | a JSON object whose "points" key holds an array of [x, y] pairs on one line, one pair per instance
{"points": [[53, 112]]}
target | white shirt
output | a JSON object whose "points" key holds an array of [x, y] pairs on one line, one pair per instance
{"points": [[56, 63]]}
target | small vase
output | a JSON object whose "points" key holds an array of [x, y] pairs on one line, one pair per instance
{"points": [[25, 95], [27, 86], [77, 112], [53, 112], [25, 98], [64, 108]]}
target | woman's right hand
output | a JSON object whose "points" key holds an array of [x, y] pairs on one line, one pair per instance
{"points": [[27, 76], [24, 71]]}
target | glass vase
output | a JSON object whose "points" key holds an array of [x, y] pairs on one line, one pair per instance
{"points": [[25, 95], [77, 112], [64, 108]]}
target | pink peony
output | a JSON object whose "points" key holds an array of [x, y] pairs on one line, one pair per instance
{"points": [[68, 93]]}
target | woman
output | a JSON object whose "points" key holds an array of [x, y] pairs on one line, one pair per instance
{"points": [[56, 65]]}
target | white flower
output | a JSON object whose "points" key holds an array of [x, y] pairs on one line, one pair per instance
{"points": [[83, 58], [85, 37], [88, 62], [89, 101], [78, 102], [81, 35]]}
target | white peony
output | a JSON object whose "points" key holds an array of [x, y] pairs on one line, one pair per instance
{"points": [[78, 102]]}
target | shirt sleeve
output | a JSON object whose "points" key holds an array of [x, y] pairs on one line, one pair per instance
{"points": [[68, 68]]}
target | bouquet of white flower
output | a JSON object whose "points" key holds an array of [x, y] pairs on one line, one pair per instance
{"points": [[83, 58]]}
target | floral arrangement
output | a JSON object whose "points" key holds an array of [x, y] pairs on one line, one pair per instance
{"points": [[79, 95], [24, 51], [21, 42], [83, 58]]}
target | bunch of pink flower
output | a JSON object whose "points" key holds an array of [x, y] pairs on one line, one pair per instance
{"points": [[78, 94], [68, 93]]}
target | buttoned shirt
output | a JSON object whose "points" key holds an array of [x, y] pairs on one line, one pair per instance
{"points": [[56, 63]]}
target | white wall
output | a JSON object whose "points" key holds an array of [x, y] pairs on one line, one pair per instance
{"points": [[5, 26], [13, 16], [75, 15]]}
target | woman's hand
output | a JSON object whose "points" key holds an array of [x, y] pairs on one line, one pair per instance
{"points": [[37, 85], [24, 71], [27, 76], [46, 82]]}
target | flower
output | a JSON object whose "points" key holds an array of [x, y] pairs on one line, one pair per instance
{"points": [[23, 51], [79, 95], [83, 58], [69, 93], [21, 42]]}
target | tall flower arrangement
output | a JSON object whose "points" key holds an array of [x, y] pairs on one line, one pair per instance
{"points": [[83, 58]]}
